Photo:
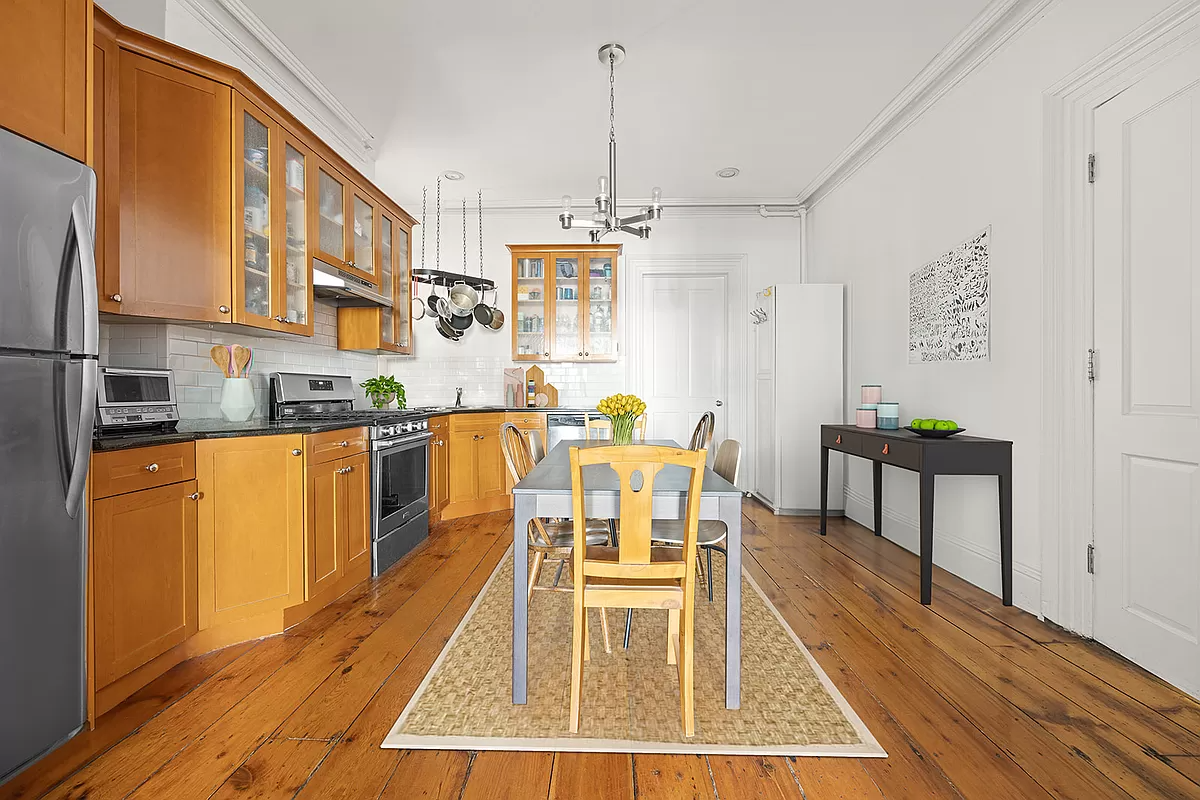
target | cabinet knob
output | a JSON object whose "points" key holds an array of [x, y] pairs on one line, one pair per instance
{"points": [[586, 353], [297, 452], [547, 355], [343, 444], [194, 496], [152, 468], [440, 443], [278, 318], [345, 470], [580, 352], [116, 298], [223, 309]]}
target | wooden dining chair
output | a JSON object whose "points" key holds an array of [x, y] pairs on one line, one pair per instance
{"points": [[711, 532], [702, 436], [549, 540], [635, 574], [600, 428]]}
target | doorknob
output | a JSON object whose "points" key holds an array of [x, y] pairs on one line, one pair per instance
{"points": [[719, 404]]}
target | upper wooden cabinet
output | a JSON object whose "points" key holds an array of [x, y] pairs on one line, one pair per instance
{"points": [[379, 328], [46, 63], [345, 222], [564, 302]]}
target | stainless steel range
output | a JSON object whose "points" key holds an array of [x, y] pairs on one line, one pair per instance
{"points": [[399, 456]]}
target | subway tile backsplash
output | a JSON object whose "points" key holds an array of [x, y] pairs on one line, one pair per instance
{"points": [[428, 381]]}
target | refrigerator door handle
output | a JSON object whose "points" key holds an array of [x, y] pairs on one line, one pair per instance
{"points": [[86, 248], [83, 440]]}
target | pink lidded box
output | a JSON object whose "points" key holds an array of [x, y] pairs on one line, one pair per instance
{"points": [[865, 418]]}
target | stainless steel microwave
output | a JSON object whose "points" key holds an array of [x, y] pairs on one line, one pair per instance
{"points": [[128, 398]]}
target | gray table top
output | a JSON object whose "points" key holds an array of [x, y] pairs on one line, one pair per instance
{"points": [[553, 475]]}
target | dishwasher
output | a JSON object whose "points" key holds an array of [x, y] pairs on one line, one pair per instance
{"points": [[560, 427]]}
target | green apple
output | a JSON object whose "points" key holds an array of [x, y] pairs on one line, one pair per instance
{"points": [[916, 423], [951, 425], [927, 424], [943, 425]]}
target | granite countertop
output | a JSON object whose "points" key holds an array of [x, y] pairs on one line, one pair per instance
{"points": [[189, 430]]}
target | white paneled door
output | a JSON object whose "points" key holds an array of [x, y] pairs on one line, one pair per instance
{"points": [[1147, 334], [682, 353]]}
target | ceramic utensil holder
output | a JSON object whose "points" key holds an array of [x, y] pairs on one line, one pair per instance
{"points": [[237, 399]]}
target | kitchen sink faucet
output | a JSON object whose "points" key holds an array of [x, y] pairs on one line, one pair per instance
{"points": [[458, 397]]}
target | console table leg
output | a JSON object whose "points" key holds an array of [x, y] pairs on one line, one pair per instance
{"points": [[824, 486], [878, 470], [926, 537], [1006, 565]]}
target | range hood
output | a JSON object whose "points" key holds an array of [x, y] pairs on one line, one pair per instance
{"points": [[331, 282]]}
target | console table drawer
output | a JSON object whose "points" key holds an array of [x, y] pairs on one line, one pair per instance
{"points": [[842, 441], [889, 451]]}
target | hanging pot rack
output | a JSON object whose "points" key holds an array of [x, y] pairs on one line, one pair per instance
{"points": [[445, 278], [438, 277]]}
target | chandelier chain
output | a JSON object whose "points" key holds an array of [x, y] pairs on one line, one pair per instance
{"points": [[612, 97]]}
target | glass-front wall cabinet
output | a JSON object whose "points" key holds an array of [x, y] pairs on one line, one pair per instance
{"points": [[386, 227], [297, 263], [402, 276], [257, 254], [331, 216], [565, 302]]}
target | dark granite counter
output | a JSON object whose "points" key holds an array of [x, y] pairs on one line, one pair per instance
{"points": [[190, 430]]}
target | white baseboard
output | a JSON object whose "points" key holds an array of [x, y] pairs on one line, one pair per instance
{"points": [[952, 553]]}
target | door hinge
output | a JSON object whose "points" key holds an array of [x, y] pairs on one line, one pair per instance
{"points": [[1091, 559], [1091, 365], [1091, 168]]}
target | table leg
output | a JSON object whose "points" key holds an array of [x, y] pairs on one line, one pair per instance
{"points": [[926, 537], [878, 476], [1006, 565], [731, 515], [524, 506], [824, 486]]}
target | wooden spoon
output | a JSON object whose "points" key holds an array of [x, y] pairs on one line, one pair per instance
{"points": [[220, 357], [241, 358]]}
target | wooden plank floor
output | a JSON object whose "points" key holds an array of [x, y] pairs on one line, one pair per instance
{"points": [[971, 699]]}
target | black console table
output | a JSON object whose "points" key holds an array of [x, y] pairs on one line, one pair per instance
{"points": [[955, 455]]}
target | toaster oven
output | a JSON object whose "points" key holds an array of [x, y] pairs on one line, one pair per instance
{"points": [[132, 399]]}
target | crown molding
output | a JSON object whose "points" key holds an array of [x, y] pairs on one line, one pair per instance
{"points": [[998, 23], [274, 65]]}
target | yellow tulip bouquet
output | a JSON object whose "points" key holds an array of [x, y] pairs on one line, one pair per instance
{"points": [[622, 410]]}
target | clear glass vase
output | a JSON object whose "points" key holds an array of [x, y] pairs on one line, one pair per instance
{"points": [[622, 429]]}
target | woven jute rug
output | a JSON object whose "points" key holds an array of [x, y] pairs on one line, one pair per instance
{"points": [[630, 697]]}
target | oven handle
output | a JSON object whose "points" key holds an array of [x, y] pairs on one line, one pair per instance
{"points": [[404, 443]]}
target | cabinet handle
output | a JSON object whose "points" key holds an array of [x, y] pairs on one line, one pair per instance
{"points": [[278, 318], [116, 298], [345, 470], [223, 309], [194, 496], [297, 452], [152, 468], [440, 443], [885, 449], [838, 440]]}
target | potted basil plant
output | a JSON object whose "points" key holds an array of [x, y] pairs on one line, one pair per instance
{"points": [[383, 390]]}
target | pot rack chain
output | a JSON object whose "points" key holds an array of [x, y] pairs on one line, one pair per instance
{"points": [[439, 223], [464, 216]]}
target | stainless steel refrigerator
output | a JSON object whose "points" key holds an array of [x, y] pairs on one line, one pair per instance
{"points": [[49, 338]]}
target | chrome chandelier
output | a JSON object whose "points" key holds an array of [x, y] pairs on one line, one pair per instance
{"points": [[604, 219]]}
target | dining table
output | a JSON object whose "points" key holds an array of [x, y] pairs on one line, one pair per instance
{"points": [[546, 492]]}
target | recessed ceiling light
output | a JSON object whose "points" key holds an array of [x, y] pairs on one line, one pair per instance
{"points": [[728, 172], [452, 175]]}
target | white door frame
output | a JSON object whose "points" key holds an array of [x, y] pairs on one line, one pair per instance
{"points": [[734, 267], [1067, 449]]}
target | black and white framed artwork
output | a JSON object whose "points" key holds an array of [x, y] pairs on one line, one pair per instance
{"points": [[948, 311]]}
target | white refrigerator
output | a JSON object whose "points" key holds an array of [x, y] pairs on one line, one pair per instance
{"points": [[799, 385]]}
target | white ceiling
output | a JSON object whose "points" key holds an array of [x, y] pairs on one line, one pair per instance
{"points": [[511, 93]]}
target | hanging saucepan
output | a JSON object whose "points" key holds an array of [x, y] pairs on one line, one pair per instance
{"points": [[418, 305], [461, 322], [497, 316], [444, 310], [463, 299], [445, 330], [483, 312], [434, 302]]}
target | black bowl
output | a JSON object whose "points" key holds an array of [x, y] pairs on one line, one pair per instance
{"points": [[933, 434]]}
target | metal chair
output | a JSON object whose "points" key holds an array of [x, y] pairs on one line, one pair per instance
{"points": [[536, 448], [552, 540], [636, 574], [702, 436]]}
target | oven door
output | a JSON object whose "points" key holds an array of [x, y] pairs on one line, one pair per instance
{"points": [[400, 482]]}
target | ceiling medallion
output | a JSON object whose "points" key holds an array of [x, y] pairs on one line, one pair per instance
{"points": [[605, 218]]}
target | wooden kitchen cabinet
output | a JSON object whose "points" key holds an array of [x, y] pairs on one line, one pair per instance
{"points": [[250, 527], [439, 466], [378, 328], [175, 193], [565, 302], [338, 526], [105, 123], [143, 576], [345, 223], [476, 482], [46, 64]]}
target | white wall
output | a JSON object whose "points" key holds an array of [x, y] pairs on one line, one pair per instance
{"points": [[974, 159]]}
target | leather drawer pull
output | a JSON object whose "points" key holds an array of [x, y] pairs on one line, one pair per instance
{"points": [[838, 440], [885, 449]]}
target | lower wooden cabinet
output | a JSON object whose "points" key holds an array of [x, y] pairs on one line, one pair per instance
{"points": [[143, 576], [338, 528], [439, 466], [251, 526], [475, 464]]}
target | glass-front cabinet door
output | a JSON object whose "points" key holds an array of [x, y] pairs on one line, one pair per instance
{"points": [[531, 306], [296, 301], [330, 189], [254, 292], [384, 270], [567, 340], [600, 311], [360, 237], [402, 278]]}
